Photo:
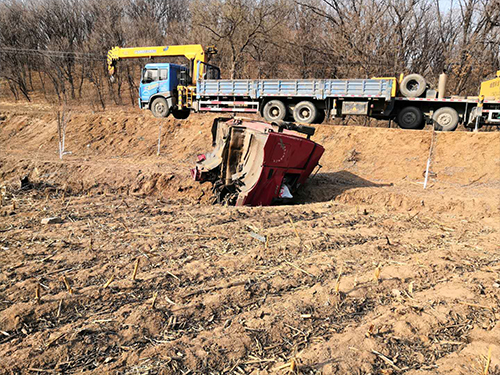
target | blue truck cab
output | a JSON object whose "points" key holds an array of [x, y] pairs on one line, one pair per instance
{"points": [[159, 85]]}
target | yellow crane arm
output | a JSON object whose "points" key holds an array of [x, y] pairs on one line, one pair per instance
{"points": [[193, 52]]}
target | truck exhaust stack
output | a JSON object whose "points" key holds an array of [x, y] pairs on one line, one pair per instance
{"points": [[443, 78]]}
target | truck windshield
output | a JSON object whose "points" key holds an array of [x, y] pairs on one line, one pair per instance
{"points": [[149, 75]]}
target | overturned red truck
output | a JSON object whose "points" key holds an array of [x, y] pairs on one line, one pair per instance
{"points": [[255, 163]]}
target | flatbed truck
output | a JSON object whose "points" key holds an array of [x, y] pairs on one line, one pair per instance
{"points": [[167, 88]]}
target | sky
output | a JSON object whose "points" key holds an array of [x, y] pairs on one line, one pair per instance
{"points": [[445, 5]]}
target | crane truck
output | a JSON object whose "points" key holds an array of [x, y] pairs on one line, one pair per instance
{"points": [[167, 88]]}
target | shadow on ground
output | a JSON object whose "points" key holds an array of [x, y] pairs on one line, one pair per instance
{"points": [[326, 186]]}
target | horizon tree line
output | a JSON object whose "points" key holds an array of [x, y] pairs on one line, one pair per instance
{"points": [[57, 48]]}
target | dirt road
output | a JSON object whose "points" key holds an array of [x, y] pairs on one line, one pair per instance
{"points": [[367, 273]]}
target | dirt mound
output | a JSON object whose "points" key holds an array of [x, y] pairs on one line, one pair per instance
{"points": [[116, 133], [367, 273], [395, 155], [116, 151]]}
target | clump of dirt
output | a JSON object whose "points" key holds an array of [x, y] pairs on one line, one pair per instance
{"points": [[366, 273]]}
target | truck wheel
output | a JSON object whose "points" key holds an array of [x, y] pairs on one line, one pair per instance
{"points": [[445, 119], [410, 118], [320, 117], [413, 86], [305, 112], [274, 110], [159, 107], [181, 114]]}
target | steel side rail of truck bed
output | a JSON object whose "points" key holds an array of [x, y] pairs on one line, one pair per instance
{"points": [[317, 89], [375, 98]]}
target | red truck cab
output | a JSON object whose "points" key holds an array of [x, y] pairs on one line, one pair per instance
{"points": [[255, 163]]}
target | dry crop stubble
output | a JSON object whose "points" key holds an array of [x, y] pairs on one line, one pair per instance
{"points": [[207, 296]]}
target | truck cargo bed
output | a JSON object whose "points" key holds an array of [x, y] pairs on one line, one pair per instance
{"points": [[319, 89]]}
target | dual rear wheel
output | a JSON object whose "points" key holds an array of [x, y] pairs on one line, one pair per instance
{"points": [[444, 119], [304, 112]]}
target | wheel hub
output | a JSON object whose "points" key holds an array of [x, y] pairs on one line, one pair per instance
{"points": [[160, 108], [305, 113], [444, 119], [412, 85], [409, 118]]}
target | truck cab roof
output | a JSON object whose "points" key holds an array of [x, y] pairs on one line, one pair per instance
{"points": [[163, 66]]}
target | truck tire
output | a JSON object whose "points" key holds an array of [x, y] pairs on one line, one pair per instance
{"points": [[445, 119], [181, 114], [410, 118], [320, 117], [305, 112], [413, 86], [159, 107], [274, 110]]}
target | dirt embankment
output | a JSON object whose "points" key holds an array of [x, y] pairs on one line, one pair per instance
{"points": [[116, 151], [397, 155], [368, 273]]}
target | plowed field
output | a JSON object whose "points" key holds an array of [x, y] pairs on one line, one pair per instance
{"points": [[366, 273]]}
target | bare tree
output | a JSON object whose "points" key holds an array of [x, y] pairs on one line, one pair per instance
{"points": [[58, 47], [18, 34], [236, 25]]}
